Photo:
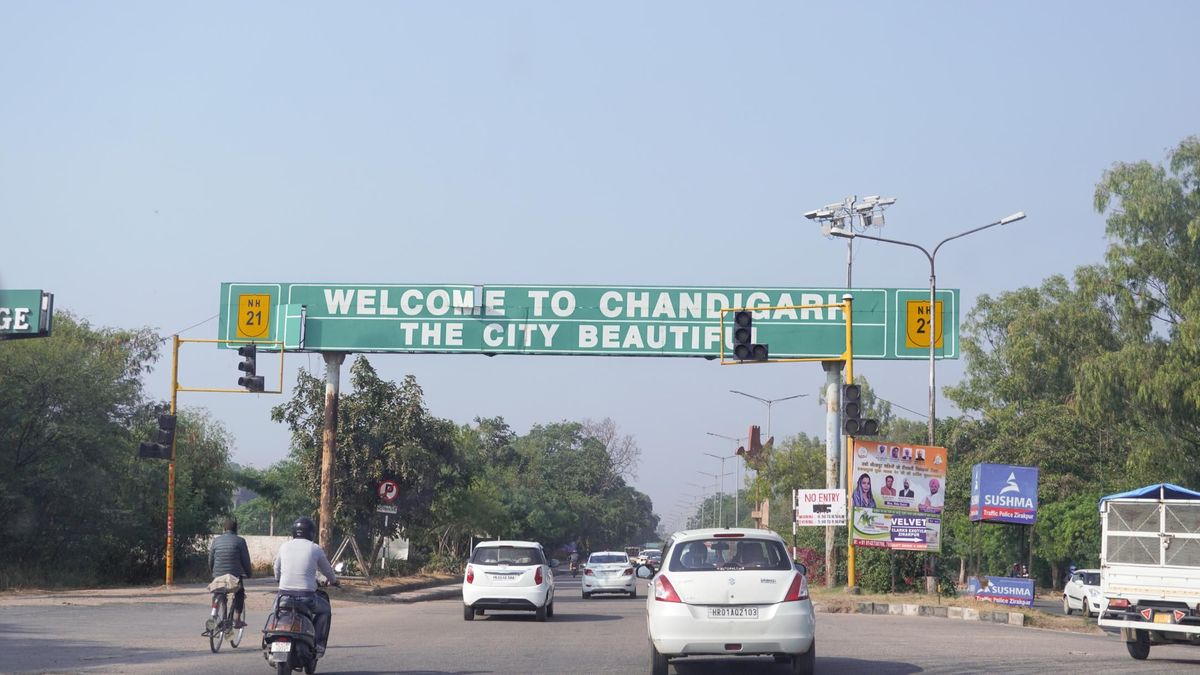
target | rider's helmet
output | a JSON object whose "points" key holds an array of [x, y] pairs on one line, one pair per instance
{"points": [[304, 528]]}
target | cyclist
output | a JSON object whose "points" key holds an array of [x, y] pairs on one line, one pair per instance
{"points": [[228, 554], [296, 567]]}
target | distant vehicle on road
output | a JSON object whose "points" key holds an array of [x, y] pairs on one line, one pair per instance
{"points": [[609, 572], [1083, 593], [729, 592], [509, 575], [651, 557]]}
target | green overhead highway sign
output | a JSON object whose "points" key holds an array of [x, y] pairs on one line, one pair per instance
{"points": [[26, 314], [580, 320]]}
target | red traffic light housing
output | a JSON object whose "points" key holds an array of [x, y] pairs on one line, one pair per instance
{"points": [[743, 334], [853, 423], [252, 381], [164, 441]]}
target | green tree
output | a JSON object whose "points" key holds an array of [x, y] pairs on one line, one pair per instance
{"points": [[384, 432], [1151, 285], [76, 505], [282, 493]]}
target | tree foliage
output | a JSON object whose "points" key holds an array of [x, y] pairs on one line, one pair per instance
{"points": [[384, 432], [76, 504], [558, 484]]}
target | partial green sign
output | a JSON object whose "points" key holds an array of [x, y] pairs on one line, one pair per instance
{"points": [[579, 320], [26, 314]]}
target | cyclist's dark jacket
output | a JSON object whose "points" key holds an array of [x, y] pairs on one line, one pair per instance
{"points": [[229, 555]]}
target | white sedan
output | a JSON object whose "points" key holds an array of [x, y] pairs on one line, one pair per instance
{"points": [[509, 575], [1083, 593], [609, 572], [729, 592]]}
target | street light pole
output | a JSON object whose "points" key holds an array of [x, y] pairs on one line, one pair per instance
{"points": [[715, 478], [769, 401], [932, 257], [702, 487], [723, 474], [737, 481]]}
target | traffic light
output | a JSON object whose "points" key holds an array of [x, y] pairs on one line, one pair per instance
{"points": [[249, 365], [743, 349], [852, 420], [160, 448]]}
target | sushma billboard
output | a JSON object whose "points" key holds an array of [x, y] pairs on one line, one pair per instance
{"points": [[1001, 493]]}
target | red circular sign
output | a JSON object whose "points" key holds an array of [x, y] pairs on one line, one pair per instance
{"points": [[388, 491]]}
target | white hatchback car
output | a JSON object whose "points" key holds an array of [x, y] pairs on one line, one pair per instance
{"points": [[1083, 593], [609, 572], [511, 575], [729, 592]]}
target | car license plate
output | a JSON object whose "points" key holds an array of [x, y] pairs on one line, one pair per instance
{"points": [[733, 612], [504, 578], [281, 646], [1163, 617]]}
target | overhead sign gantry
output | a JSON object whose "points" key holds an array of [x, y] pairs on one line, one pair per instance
{"points": [[671, 321]]}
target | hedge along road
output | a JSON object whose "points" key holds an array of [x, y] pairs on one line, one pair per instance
{"points": [[60, 633]]}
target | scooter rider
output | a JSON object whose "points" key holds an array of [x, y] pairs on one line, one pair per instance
{"points": [[296, 567]]}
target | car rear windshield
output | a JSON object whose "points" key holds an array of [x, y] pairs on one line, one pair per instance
{"points": [[729, 554], [609, 559], [508, 555]]}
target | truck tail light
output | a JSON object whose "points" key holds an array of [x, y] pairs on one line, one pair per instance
{"points": [[1118, 603]]}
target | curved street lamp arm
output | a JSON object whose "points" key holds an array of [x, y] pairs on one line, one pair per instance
{"points": [[756, 398], [920, 248], [1003, 221]]}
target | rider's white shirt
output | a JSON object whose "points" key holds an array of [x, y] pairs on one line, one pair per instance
{"points": [[297, 563]]}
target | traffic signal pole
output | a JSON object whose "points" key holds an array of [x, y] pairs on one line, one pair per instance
{"points": [[257, 388], [171, 465], [848, 447]]}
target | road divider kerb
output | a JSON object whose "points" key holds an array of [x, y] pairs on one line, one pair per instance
{"points": [[938, 611]]}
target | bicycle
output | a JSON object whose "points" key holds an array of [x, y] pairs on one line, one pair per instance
{"points": [[219, 626]]}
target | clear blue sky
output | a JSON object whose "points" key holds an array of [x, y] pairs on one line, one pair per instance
{"points": [[150, 151]]}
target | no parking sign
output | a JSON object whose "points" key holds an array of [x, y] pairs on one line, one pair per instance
{"points": [[388, 491]]}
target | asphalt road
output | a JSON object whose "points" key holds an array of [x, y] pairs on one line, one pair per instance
{"points": [[605, 634]]}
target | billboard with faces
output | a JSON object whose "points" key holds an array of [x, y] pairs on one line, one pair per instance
{"points": [[896, 495]]}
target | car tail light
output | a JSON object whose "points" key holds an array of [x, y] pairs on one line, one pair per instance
{"points": [[470, 574], [1118, 603], [798, 590], [664, 591], [628, 571], [587, 572], [537, 577]]}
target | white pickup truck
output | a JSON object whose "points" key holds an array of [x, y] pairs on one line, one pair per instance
{"points": [[1150, 566]]}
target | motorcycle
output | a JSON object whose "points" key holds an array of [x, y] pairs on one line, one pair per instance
{"points": [[290, 636], [574, 568]]}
